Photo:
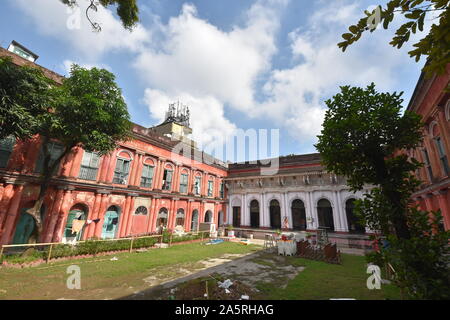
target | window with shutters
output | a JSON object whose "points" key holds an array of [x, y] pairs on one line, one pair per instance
{"points": [[428, 164], [197, 185], [122, 170], [442, 156], [210, 188], [147, 176], [222, 190], [55, 150], [6, 148], [183, 183], [89, 166], [167, 179]]}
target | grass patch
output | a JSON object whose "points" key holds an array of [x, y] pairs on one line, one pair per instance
{"points": [[105, 279], [321, 281]]}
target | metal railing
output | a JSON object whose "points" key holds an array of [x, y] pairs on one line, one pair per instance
{"points": [[52, 245]]}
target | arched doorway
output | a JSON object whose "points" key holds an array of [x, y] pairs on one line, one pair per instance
{"points": [[110, 223], [161, 222], [354, 226], [77, 212], [220, 219], [325, 214], [26, 226], [194, 221], [180, 218], [208, 216], [275, 214], [298, 215], [254, 214]]}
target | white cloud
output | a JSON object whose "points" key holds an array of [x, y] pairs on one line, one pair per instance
{"points": [[195, 56], [52, 18], [296, 94]]}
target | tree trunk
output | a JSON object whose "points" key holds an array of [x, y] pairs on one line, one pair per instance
{"points": [[48, 172]]}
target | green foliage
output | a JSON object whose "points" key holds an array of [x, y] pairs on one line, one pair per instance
{"points": [[127, 10], [435, 45], [180, 238], [421, 263], [88, 247], [24, 94], [363, 137], [361, 128], [89, 111]]}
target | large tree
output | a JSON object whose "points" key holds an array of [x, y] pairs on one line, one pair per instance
{"points": [[24, 93], [361, 132], [435, 45], [365, 137], [88, 111], [127, 10]]}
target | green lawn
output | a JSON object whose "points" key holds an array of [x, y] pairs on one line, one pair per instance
{"points": [[102, 278], [321, 280]]}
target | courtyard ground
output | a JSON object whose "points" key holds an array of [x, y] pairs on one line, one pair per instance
{"points": [[188, 271]]}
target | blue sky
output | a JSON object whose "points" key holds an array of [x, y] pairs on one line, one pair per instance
{"points": [[238, 64]]}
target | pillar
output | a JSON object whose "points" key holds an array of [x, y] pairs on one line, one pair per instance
{"points": [[129, 214], [104, 168], [125, 217], [8, 192], [156, 202], [100, 215], [12, 215], [92, 216], [111, 166], [62, 216], [53, 216], [151, 216]]}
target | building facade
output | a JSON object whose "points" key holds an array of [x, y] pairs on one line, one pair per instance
{"points": [[300, 196], [431, 99]]}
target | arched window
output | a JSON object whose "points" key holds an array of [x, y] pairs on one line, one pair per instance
{"points": [[325, 215], [254, 214], [141, 210], [354, 226], [122, 170], [6, 148], [298, 215], [194, 221], [161, 223], [110, 223], [208, 216], [275, 214], [180, 218], [75, 223]]}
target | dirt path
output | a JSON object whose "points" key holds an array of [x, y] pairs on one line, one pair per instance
{"points": [[250, 269]]}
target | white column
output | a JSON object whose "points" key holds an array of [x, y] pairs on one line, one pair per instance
{"points": [[266, 212], [343, 214], [262, 206], [336, 212], [243, 209], [261, 209], [313, 209], [229, 212]]}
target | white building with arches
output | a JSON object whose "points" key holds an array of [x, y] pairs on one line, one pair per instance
{"points": [[301, 196]]}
